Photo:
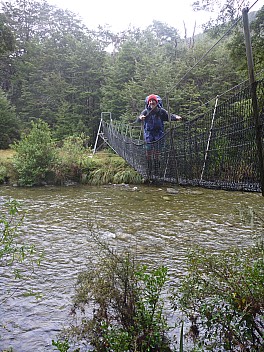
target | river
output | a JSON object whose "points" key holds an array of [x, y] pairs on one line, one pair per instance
{"points": [[159, 224]]}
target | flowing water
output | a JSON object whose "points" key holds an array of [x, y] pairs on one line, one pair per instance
{"points": [[156, 223]]}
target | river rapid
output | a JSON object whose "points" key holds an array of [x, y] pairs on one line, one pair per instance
{"points": [[159, 224]]}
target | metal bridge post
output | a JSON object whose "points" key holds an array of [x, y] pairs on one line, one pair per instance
{"points": [[171, 145], [209, 138], [99, 129], [253, 84]]}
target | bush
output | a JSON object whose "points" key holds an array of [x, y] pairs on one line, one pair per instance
{"points": [[6, 166], [72, 160], [13, 251], [35, 154], [127, 305], [223, 296], [3, 173]]}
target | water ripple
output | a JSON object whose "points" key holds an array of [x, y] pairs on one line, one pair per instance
{"points": [[158, 226]]}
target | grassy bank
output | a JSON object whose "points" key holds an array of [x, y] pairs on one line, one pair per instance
{"points": [[103, 167]]}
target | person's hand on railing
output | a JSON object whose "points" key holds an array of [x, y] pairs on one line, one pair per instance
{"points": [[175, 117]]}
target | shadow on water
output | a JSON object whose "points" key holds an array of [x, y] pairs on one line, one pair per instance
{"points": [[160, 225]]}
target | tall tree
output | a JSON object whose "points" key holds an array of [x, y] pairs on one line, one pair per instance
{"points": [[7, 39], [9, 126], [7, 46], [142, 65], [58, 63]]}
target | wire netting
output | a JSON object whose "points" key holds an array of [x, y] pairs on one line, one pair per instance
{"points": [[216, 149]]}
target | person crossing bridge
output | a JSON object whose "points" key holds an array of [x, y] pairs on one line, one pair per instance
{"points": [[153, 117]]}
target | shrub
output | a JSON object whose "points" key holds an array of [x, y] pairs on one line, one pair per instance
{"points": [[13, 251], [127, 305], [72, 160], [3, 173], [35, 154], [223, 296]]}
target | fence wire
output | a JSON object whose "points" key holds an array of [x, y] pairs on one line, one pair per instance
{"points": [[216, 149]]}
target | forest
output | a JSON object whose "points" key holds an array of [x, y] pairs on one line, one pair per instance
{"points": [[55, 69]]}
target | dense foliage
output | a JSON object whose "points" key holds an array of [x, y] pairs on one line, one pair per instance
{"points": [[128, 313], [8, 122], [36, 159], [34, 155], [55, 69], [223, 297], [119, 303]]}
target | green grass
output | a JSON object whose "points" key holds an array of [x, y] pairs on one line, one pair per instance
{"points": [[103, 167]]}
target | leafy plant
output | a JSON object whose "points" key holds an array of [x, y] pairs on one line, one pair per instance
{"points": [[35, 154], [127, 305], [10, 249], [16, 254], [9, 125], [223, 296], [3, 173], [62, 346], [72, 160]]}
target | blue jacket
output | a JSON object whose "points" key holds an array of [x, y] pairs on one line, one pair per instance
{"points": [[154, 123]]}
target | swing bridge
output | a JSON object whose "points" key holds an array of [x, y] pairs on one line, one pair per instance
{"points": [[220, 146]]}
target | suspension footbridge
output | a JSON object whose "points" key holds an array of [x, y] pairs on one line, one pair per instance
{"points": [[220, 148]]}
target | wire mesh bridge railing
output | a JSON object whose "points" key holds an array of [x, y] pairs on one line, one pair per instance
{"points": [[217, 149]]}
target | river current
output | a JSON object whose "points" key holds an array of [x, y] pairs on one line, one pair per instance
{"points": [[159, 224]]}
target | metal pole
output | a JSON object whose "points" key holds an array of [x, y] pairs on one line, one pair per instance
{"points": [[171, 146], [98, 132], [209, 138], [99, 128], [253, 84]]}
